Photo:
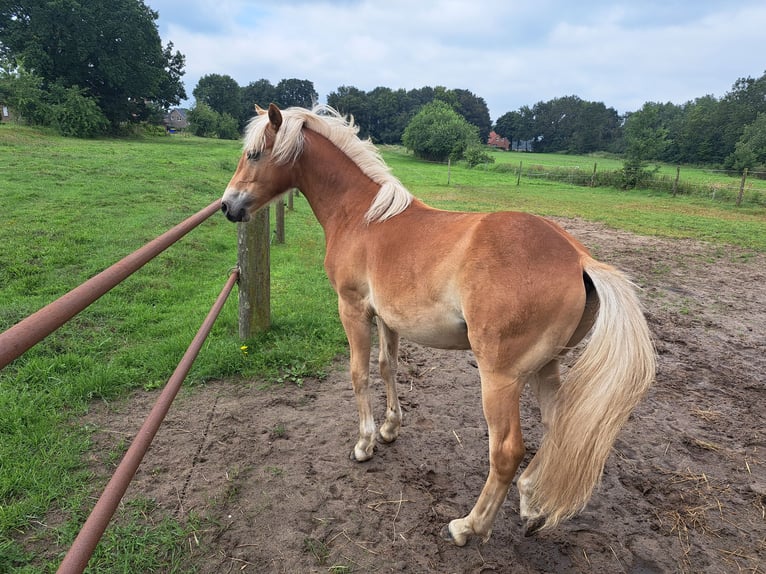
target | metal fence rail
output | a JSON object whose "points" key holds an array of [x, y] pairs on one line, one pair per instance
{"points": [[28, 332], [82, 549]]}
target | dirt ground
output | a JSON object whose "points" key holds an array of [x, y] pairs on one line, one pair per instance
{"points": [[267, 470]]}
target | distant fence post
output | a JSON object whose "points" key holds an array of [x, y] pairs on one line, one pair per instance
{"points": [[593, 175], [518, 179], [254, 275], [675, 183], [290, 196], [742, 187], [280, 227]]}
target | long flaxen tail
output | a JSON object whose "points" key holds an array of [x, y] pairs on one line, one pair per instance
{"points": [[607, 380]]}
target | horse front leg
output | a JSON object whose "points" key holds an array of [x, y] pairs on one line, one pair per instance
{"points": [[500, 400], [358, 329], [388, 361]]}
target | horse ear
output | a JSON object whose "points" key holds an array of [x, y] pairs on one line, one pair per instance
{"points": [[275, 117], [259, 110]]}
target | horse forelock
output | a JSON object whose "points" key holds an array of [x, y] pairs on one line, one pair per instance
{"points": [[391, 199]]}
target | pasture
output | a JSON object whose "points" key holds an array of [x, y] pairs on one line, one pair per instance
{"points": [[252, 472]]}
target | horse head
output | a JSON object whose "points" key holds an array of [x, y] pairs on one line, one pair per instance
{"points": [[261, 175]]}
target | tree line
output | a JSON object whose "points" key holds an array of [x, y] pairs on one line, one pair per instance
{"points": [[728, 131], [90, 67]]}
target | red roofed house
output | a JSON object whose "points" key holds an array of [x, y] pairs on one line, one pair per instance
{"points": [[495, 140]]}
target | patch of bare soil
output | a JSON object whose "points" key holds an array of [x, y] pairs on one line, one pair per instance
{"points": [[268, 471]]}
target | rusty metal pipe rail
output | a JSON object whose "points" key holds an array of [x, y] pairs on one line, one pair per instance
{"points": [[28, 332], [82, 549]]}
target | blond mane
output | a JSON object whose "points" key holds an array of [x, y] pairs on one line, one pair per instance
{"points": [[391, 199]]}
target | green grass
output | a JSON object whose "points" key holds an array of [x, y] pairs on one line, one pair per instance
{"points": [[641, 211], [71, 208]]}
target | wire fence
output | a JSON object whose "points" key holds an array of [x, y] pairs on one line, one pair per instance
{"points": [[742, 188]]}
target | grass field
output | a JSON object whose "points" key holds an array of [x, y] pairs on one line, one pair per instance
{"points": [[71, 208], [641, 211]]}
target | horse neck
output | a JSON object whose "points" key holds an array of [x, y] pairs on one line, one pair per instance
{"points": [[338, 191]]}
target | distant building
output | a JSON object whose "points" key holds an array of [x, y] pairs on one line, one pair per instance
{"points": [[5, 113], [176, 119], [495, 140]]}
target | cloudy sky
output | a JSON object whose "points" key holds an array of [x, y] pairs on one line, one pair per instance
{"points": [[510, 52]]}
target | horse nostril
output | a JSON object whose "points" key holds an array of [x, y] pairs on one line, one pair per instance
{"points": [[224, 207]]}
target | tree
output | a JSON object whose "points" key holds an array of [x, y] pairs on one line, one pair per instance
{"points": [[25, 93], [294, 92], [645, 134], [645, 139], [595, 128], [260, 92], [111, 49], [77, 115], [349, 100], [699, 137], [389, 113], [205, 122], [220, 92], [750, 150], [739, 108], [438, 132], [474, 109], [516, 126]]}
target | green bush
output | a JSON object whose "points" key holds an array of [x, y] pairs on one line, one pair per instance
{"points": [[228, 127], [438, 132], [23, 91], [205, 122], [477, 155], [76, 115]]}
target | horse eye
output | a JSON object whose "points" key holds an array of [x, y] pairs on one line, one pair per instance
{"points": [[253, 155]]}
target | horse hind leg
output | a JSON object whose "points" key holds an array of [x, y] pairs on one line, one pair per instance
{"points": [[500, 400], [545, 384], [388, 360]]}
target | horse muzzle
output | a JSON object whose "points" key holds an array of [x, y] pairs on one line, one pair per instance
{"points": [[235, 206]]}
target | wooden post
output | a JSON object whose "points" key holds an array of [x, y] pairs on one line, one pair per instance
{"points": [[290, 196], [593, 175], [742, 187], [518, 179], [254, 275], [449, 169], [279, 232], [675, 183]]}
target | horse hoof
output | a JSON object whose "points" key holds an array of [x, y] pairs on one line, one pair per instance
{"points": [[360, 456], [533, 525], [387, 439], [446, 534]]}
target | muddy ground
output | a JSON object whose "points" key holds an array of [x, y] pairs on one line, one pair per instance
{"points": [[267, 474]]}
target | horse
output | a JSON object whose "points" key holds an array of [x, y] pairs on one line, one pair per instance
{"points": [[514, 288]]}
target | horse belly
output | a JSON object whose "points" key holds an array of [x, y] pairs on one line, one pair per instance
{"points": [[435, 329]]}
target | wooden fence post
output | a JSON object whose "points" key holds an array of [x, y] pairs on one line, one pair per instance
{"points": [[254, 275], [675, 183], [290, 196], [279, 231], [518, 179], [593, 175], [742, 187]]}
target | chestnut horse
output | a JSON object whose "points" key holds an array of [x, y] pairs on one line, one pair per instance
{"points": [[514, 288]]}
